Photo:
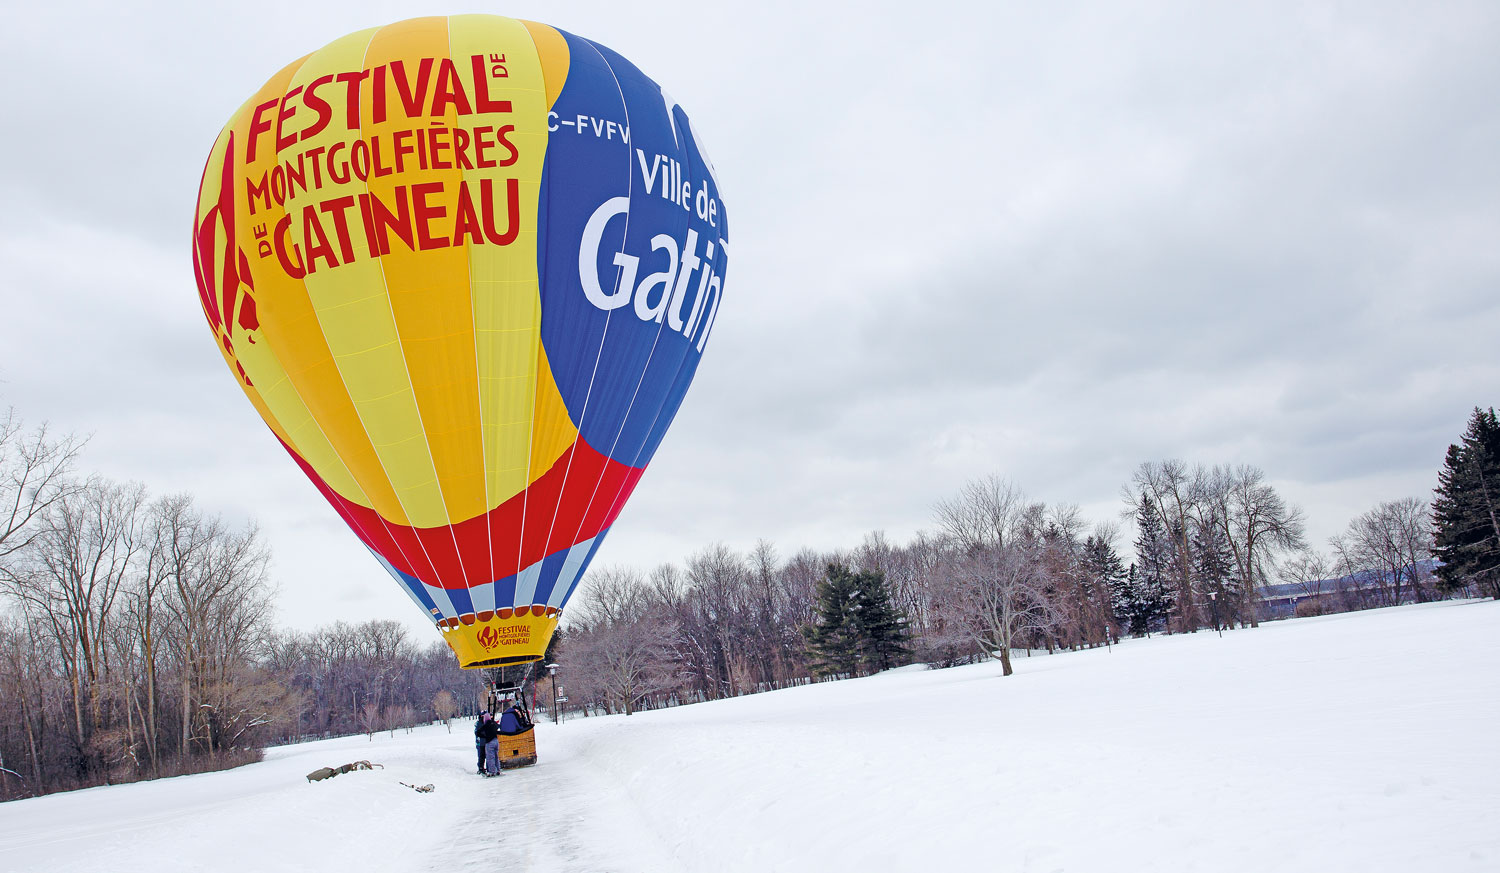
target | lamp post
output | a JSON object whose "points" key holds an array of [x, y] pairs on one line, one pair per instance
{"points": [[552, 674]]}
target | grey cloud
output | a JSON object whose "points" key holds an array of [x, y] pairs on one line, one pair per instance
{"points": [[1046, 241]]}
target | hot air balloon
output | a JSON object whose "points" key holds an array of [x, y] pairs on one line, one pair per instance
{"points": [[465, 269]]}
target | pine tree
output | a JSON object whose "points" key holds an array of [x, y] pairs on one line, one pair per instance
{"points": [[1213, 573], [835, 638], [1124, 601], [1104, 566], [880, 625], [1154, 555], [1466, 511]]}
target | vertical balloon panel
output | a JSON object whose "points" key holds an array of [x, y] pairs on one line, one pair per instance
{"points": [[465, 269]]}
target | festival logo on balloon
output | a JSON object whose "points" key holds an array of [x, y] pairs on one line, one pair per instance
{"points": [[465, 269], [225, 285]]}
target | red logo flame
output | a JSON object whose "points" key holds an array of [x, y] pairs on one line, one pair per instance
{"points": [[223, 277]]}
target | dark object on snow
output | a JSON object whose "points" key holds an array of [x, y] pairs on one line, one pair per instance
{"points": [[322, 773], [420, 789]]}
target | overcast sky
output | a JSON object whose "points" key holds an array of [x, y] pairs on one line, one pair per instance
{"points": [[1048, 241]]}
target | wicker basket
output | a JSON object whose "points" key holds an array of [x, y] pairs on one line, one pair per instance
{"points": [[518, 750]]}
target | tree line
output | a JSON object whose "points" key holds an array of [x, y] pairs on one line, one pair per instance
{"points": [[137, 637], [1214, 547]]}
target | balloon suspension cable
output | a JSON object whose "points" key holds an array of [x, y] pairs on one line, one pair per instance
{"points": [[510, 681]]}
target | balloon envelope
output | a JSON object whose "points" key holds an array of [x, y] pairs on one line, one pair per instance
{"points": [[465, 269]]}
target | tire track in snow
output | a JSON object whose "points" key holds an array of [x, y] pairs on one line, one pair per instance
{"points": [[558, 815], [530, 827]]}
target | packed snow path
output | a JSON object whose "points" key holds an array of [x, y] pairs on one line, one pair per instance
{"points": [[1354, 742]]}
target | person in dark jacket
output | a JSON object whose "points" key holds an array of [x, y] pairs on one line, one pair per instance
{"points": [[488, 734], [510, 720], [479, 743]]}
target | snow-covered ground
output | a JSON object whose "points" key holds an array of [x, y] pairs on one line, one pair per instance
{"points": [[1361, 742]]}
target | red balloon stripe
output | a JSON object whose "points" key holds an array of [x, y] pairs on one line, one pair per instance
{"points": [[492, 546]]}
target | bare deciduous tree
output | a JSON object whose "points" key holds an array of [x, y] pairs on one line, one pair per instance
{"points": [[369, 719], [1312, 574], [1387, 550], [445, 708], [34, 474], [69, 576], [1257, 524], [620, 641], [992, 583]]}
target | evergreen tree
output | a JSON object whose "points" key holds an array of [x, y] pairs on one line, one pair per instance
{"points": [[835, 637], [1104, 566], [1466, 511], [880, 625], [1213, 573], [1182, 596], [1124, 600], [1154, 555]]}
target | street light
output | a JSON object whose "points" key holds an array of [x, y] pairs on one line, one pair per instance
{"points": [[552, 675]]}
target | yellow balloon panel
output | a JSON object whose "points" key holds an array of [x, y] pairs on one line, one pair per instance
{"points": [[506, 308], [374, 179]]}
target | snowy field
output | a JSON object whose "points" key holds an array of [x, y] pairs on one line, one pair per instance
{"points": [[1361, 742]]}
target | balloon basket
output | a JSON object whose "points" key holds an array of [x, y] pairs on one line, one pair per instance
{"points": [[518, 750]]}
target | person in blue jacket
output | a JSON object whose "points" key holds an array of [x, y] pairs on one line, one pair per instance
{"points": [[510, 720]]}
